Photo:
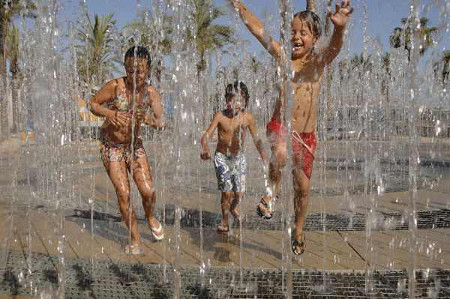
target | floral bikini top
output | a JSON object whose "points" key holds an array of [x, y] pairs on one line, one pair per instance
{"points": [[122, 104]]}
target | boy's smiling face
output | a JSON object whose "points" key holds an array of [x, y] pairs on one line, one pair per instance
{"points": [[302, 39], [235, 103]]}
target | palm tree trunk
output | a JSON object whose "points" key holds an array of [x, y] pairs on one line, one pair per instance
{"points": [[311, 5], [4, 130], [15, 96]]}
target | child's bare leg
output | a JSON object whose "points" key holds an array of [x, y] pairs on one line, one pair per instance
{"points": [[301, 200], [117, 172], [144, 181], [234, 209], [276, 165], [225, 205]]}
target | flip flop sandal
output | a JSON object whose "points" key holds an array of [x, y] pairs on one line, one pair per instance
{"points": [[133, 250], [157, 233], [298, 247], [264, 214], [223, 229]]}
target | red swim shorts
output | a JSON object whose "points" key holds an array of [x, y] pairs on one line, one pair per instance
{"points": [[303, 144], [303, 156], [276, 131]]}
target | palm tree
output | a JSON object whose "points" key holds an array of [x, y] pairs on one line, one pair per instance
{"points": [[446, 66], [9, 10], [12, 45], [255, 64], [96, 50], [311, 5], [442, 67], [401, 36], [207, 36]]}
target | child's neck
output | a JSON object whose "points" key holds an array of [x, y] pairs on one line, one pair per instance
{"points": [[230, 113], [129, 85], [304, 58]]}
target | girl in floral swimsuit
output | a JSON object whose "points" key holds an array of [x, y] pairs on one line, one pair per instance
{"points": [[116, 136]]}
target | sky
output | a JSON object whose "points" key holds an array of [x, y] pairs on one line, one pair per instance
{"points": [[379, 16]]}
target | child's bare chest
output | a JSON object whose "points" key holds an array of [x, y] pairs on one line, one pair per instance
{"points": [[232, 126]]}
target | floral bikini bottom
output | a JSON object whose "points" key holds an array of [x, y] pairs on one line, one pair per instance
{"points": [[118, 152]]}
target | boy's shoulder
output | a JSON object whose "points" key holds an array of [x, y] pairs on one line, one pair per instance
{"points": [[219, 115], [152, 90], [112, 86], [115, 82], [248, 114]]}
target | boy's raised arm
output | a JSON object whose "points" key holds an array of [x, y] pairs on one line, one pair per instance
{"points": [[256, 27], [204, 141], [340, 20], [256, 139]]}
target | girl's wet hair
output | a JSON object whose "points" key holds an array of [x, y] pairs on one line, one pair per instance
{"points": [[237, 88], [138, 52], [312, 20]]}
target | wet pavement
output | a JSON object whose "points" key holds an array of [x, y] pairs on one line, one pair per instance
{"points": [[76, 236]]}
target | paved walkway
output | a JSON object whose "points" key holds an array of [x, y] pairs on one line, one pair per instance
{"points": [[36, 222]]}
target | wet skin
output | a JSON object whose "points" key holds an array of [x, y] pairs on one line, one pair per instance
{"points": [[118, 129], [308, 67], [232, 124]]}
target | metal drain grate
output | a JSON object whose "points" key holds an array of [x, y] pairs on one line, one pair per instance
{"points": [[190, 218], [107, 280]]}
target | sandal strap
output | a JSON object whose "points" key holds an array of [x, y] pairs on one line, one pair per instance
{"points": [[157, 230], [267, 205], [223, 228]]}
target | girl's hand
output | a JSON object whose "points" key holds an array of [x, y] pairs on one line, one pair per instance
{"points": [[141, 116], [118, 119], [158, 124], [343, 13]]}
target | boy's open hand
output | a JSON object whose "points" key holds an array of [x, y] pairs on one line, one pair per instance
{"points": [[205, 156], [343, 13]]}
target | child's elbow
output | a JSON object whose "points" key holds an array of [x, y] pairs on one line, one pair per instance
{"points": [[92, 107]]}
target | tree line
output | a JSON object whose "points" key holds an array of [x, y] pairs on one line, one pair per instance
{"points": [[96, 38]]}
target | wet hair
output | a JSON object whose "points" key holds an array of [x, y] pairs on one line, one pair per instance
{"points": [[237, 87], [312, 20], [138, 52]]}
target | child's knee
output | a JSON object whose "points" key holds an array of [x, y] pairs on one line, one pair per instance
{"points": [[301, 192], [279, 156], [226, 196], [301, 183], [147, 190], [123, 193]]}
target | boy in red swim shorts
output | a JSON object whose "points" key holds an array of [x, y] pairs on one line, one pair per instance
{"points": [[308, 66]]}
